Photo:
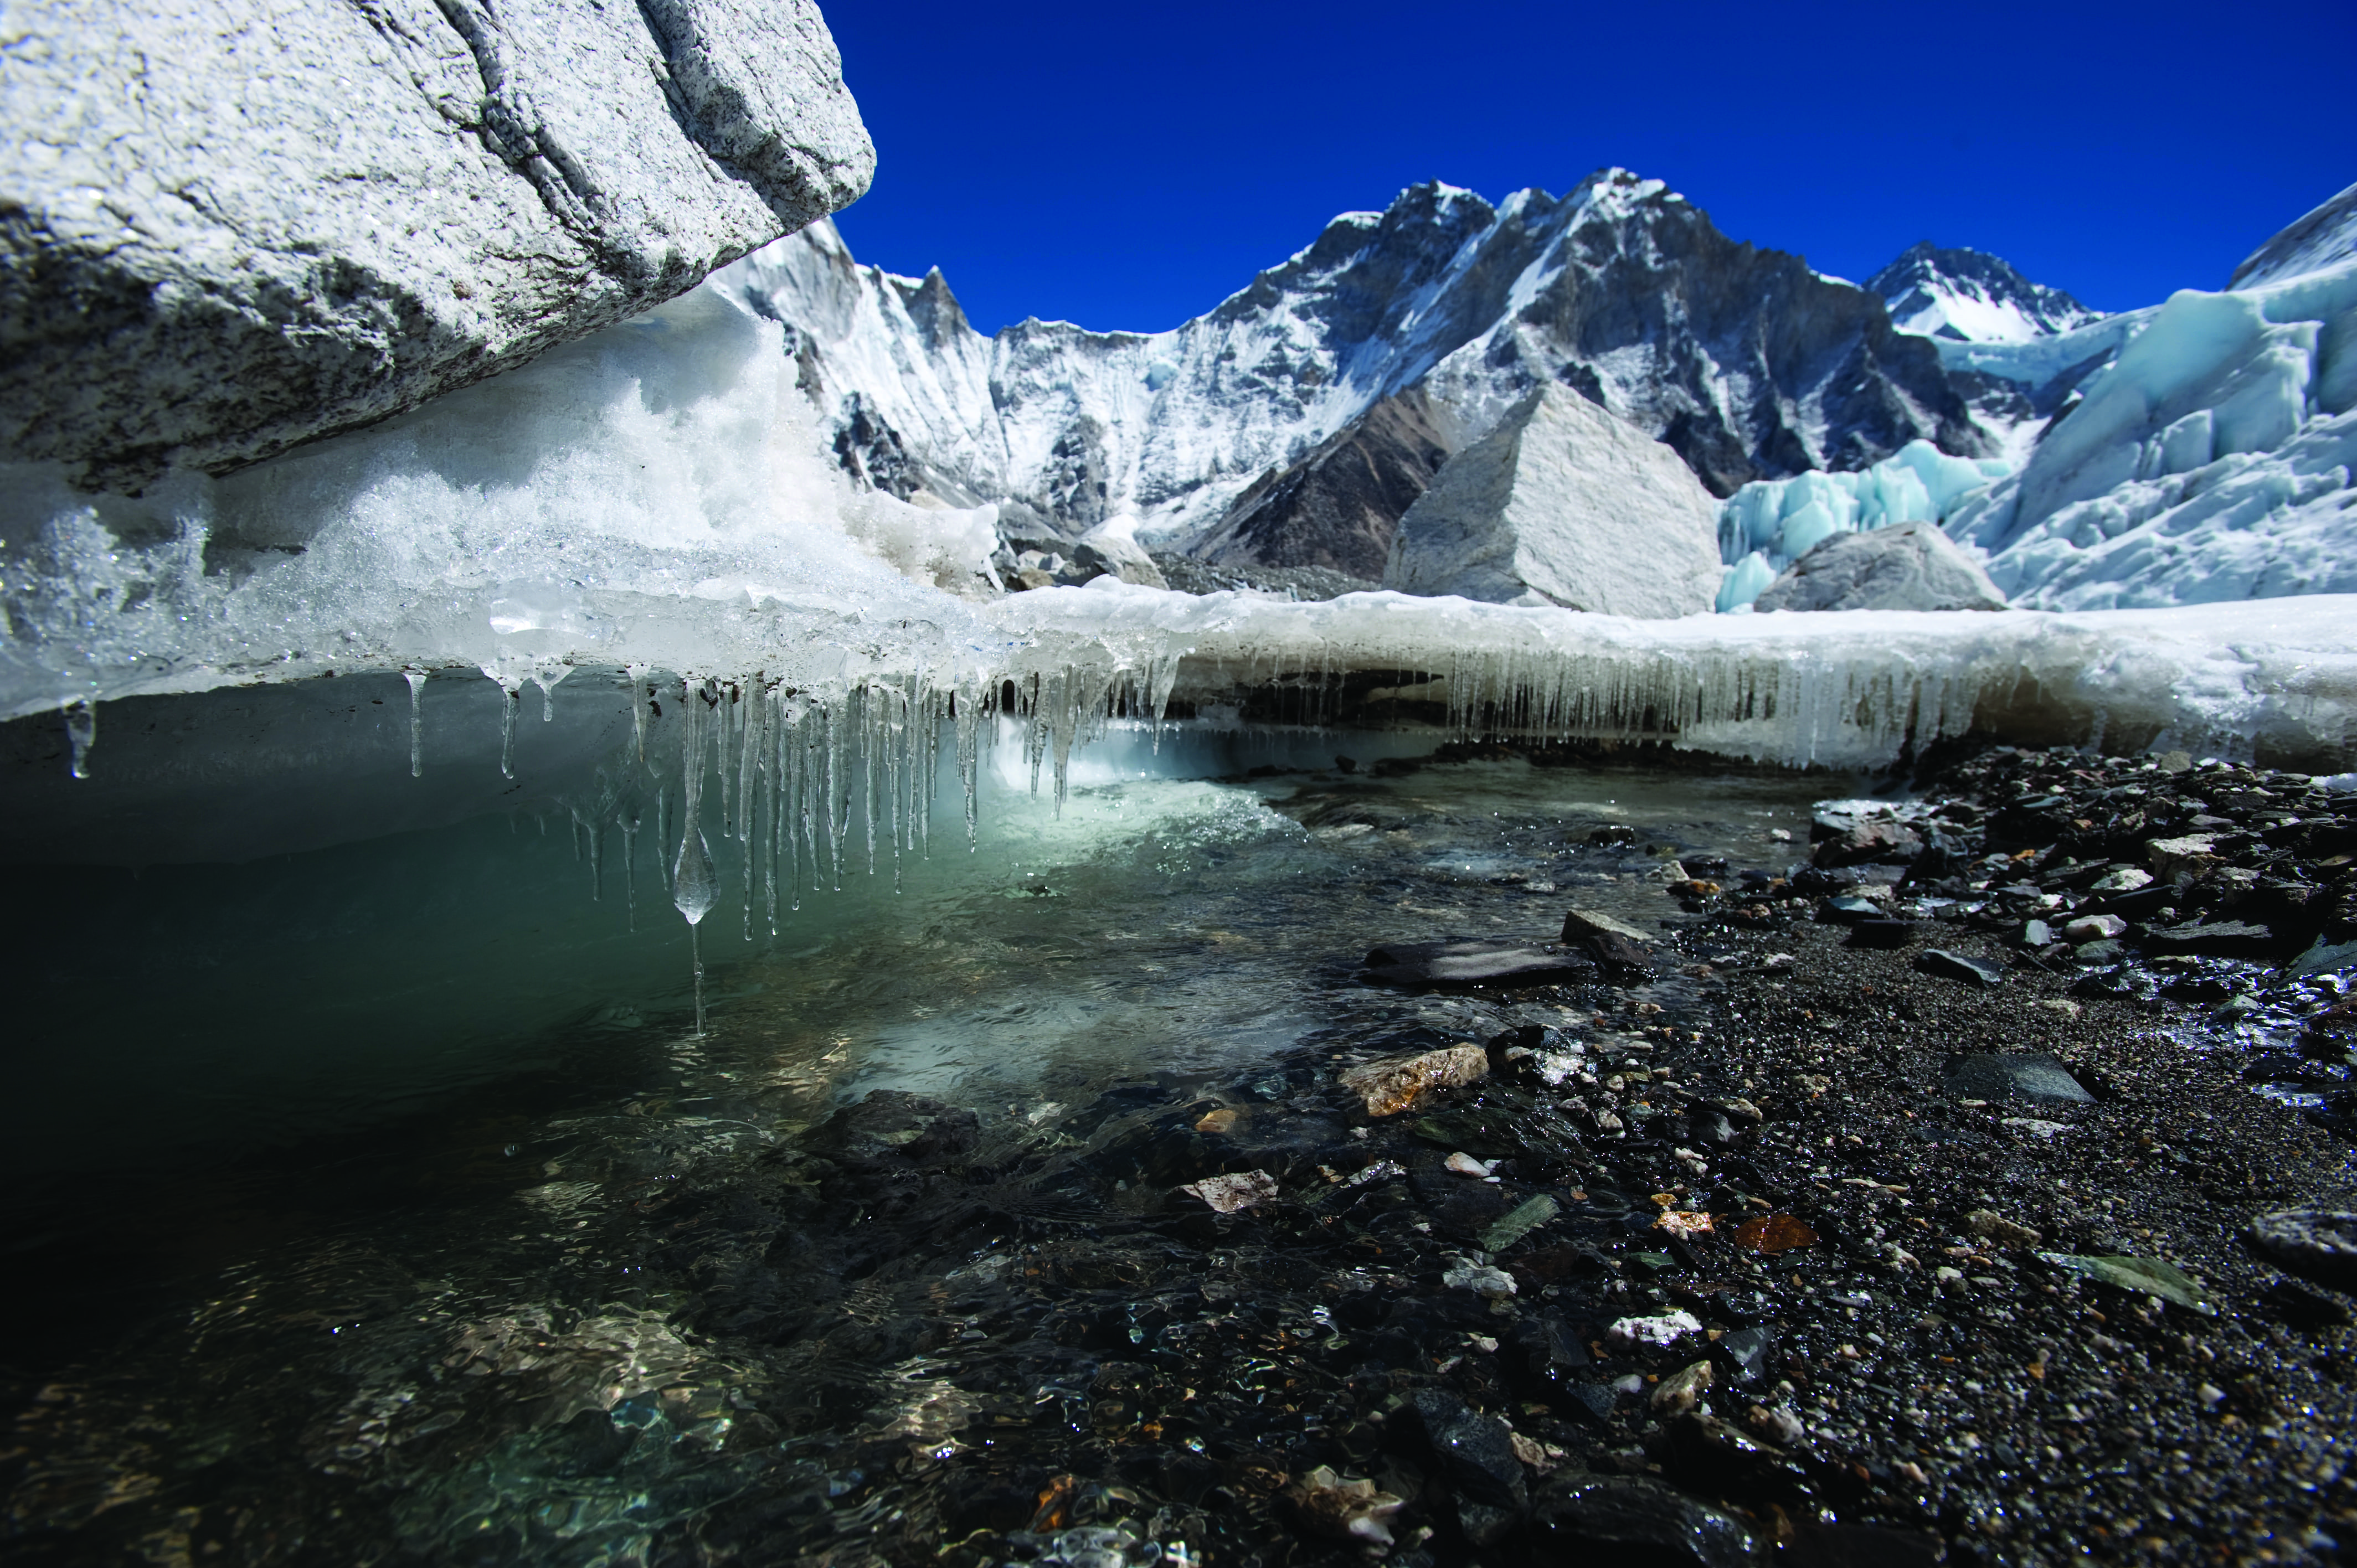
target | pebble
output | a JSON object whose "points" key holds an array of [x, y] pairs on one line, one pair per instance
{"points": [[1682, 1391], [1665, 1329], [2095, 929], [1957, 966], [1389, 1086], [1229, 1194]]}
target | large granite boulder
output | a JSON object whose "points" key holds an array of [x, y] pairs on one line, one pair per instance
{"points": [[1564, 503], [1908, 566], [228, 229]]}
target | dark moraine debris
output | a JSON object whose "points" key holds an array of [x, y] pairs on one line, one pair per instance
{"points": [[1474, 962], [1635, 1519], [1991, 1076]]}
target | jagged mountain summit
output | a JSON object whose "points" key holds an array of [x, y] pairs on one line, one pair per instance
{"points": [[1974, 297], [1293, 424]]}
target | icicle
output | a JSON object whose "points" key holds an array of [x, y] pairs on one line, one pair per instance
{"points": [[545, 673], [720, 713], [511, 693], [636, 674], [629, 826], [838, 799], [968, 702], [417, 678], [663, 834], [596, 830], [81, 731], [694, 882]]}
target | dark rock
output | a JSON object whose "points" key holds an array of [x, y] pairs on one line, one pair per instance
{"points": [[1848, 909], [1725, 1461], [1646, 1521], [1477, 963], [1956, 966], [2319, 1245], [1882, 841], [590, 1443], [1476, 1451], [1880, 933], [1745, 1353], [1993, 1076], [2221, 939], [894, 1130], [1860, 1546]]}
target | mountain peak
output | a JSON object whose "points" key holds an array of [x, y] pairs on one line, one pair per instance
{"points": [[1972, 296]]}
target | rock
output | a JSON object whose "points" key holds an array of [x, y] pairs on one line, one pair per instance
{"points": [[2122, 880], [2094, 928], [1563, 503], [1848, 909], [2140, 1276], [1579, 923], [1465, 1164], [1389, 1086], [1475, 961], [1907, 566], [1231, 1193], [2035, 934], [1642, 1520], [1745, 1352], [892, 1129], [1482, 1279], [261, 224], [1989, 1075], [1476, 1451], [1350, 1509], [2180, 859], [2221, 939], [1882, 841], [1112, 547], [1956, 966], [2317, 1244], [1518, 1221], [1880, 932], [1989, 1225], [1682, 1391], [1667, 1328]]}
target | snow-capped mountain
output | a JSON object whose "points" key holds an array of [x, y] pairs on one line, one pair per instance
{"points": [[1972, 296], [2322, 238], [1292, 425]]}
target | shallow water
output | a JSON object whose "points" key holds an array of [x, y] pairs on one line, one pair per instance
{"points": [[315, 1157]]}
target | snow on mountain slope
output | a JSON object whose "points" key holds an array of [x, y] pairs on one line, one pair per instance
{"points": [[1743, 360], [2321, 238], [1974, 297]]}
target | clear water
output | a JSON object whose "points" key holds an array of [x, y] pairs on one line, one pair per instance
{"points": [[288, 1140]]}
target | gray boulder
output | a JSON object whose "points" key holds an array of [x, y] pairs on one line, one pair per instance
{"points": [[229, 230], [1564, 503], [1907, 566]]}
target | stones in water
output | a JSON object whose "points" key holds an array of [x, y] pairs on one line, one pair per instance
{"points": [[2029, 1076], [1352, 1509], [892, 1129], [1393, 1084], [1475, 961], [1957, 966], [1231, 1193], [2219, 939], [1579, 923], [1645, 1520], [2317, 1244], [1477, 1453]]}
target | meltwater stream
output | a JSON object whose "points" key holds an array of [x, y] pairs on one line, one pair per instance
{"points": [[331, 1164]]}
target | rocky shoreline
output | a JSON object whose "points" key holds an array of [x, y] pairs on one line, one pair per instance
{"points": [[1802, 1240]]}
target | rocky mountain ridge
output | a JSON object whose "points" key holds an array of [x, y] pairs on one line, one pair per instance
{"points": [[1294, 422]]}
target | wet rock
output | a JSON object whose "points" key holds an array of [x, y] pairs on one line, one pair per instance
{"points": [[894, 1130], [1850, 908], [2035, 934], [1495, 1284], [1475, 1452], [1860, 1546], [1230, 1193], [2317, 1244], [1957, 966], [1580, 923], [1883, 841], [1745, 1353], [1989, 1075], [1393, 1084], [1477, 961], [1645, 1520], [1666, 1328], [1351, 1509], [1682, 1391]]}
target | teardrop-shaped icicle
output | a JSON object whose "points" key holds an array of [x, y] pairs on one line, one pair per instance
{"points": [[694, 884]]}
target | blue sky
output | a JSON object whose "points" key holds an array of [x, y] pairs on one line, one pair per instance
{"points": [[1129, 167]]}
